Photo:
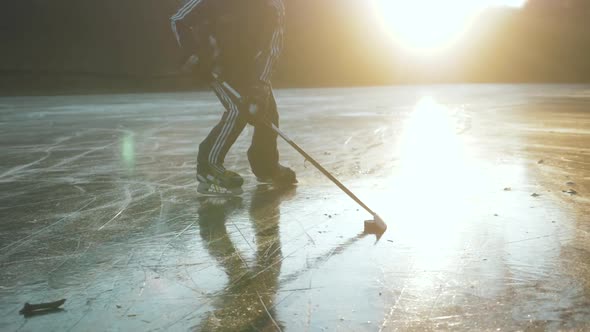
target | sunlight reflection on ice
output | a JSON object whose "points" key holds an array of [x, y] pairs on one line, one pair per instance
{"points": [[434, 185], [434, 163], [440, 184]]}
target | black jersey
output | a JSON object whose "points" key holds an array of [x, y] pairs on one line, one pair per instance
{"points": [[249, 34]]}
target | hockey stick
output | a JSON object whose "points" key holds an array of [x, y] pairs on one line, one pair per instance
{"points": [[375, 226]]}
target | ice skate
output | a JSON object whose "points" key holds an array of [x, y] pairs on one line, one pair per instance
{"points": [[217, 181], [281, 176]]}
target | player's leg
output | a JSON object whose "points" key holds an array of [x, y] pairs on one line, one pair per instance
{"points": [[211, 173], [264, 154]]}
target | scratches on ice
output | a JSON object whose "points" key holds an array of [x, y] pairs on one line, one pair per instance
{"points": [[109, 217], [125, 204], [15, 245]]}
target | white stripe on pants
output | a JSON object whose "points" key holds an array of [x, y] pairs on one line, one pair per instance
{"points": [[228, 126]]}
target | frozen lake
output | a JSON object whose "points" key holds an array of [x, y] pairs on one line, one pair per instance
{"points": [[485, 189]]}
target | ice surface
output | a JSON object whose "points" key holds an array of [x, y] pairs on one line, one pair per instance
{"points": [[98, 205]]}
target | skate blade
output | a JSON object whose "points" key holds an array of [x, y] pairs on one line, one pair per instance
{"points": [[229, 202], [270, 181], [215, 190], [264, 180]]}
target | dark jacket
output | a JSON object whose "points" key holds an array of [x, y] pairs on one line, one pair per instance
{"points": [[249, 34]]}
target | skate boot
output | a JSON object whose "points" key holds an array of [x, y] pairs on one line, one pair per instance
{"points": [[218, 181], [281, 176]]}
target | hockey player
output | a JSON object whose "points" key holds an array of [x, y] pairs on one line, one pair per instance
{"points": [[234, 44]]}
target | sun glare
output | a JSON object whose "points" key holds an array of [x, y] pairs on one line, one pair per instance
{"points": [[434, 181], [430, 25]]}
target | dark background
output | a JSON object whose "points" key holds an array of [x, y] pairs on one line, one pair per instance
{"points": [[93, 46]]}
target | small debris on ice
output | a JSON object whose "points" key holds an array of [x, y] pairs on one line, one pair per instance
{"points": [[507, 189], [570, 183], [540, 161], [535, 195], [570, 191], [41, 308]]}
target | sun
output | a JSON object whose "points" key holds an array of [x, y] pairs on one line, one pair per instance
{"points": [[431, 25]]}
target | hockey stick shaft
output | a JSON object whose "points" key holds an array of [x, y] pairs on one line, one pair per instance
{"points": [[303, 153], [320, 168]]}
